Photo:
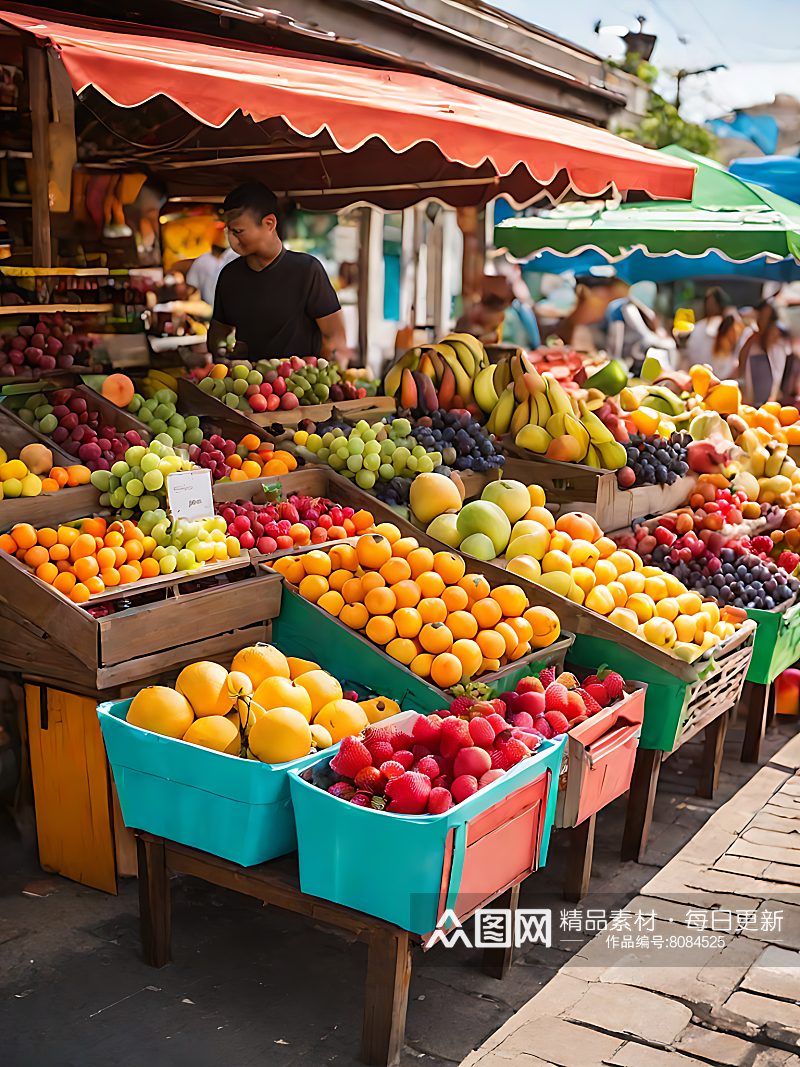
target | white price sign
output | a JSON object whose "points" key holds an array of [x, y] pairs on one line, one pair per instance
{"points": [[189, 495]]}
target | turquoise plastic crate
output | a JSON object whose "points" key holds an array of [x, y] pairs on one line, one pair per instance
{"points": [[396, 866], [237, 809]]}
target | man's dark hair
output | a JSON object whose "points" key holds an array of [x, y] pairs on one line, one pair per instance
{"points": [[254, 197]]}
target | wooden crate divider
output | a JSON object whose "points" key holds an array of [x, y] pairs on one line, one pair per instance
{"points": [[720, 691]]}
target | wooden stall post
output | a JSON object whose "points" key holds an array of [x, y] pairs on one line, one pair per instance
{"points": [[496, 962], [386, 1001], [756, 698], [642, 795], [39, 171], [579, 860], [154, 902]]}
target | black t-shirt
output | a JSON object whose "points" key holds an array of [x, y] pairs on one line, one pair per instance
{"points": [[275, 310]]}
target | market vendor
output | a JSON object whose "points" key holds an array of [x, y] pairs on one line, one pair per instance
{"points": [[280, 303]]}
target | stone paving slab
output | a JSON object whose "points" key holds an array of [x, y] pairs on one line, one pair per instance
{"points": [[732, 1001]]}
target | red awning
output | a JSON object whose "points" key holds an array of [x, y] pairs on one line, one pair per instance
{"points": [[446, 138]]}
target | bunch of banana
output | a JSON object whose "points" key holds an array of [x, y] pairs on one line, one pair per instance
{"points": [[159, 379], [657, 397], [774, 470], [453, 365]]}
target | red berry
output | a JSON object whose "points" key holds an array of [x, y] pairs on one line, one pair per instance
{"points": [[370, 779], [591, 680], [556, 697], [614, 685], [428, 731], [558, 721], [409, 794], [490, 776], [429, 767], [461, 705], [544, 728], [576, 705], [343, 790], [381, 751], [401, 740], [482, 732], [351, 757], [498, 722], [547, 676], [392, 769], [598, 692], [440, 801], [514, 750], [499, 759], [592, 707], [529, 684], [499, 706], [523, 721], [455, 735], [405, 757], [531, 702], [420, 751], [362, 800], [444, 781], [464, 787]]}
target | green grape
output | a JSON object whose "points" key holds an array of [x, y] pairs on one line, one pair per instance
{"points": [[206, 384], [364, 425], [343, 454], [117, 497], [148, 503], [386, 471], [387, 447], [418, 451], [372, 462], [327, 439], [113, 483], [365, 478], [424, 465], [323, 454], [400, 455], [192, 422], [149, 462], [412, 462], [151, 481], [130, 501], [378, 426], [101, 480], [372, 447], [135, 489], [368, 435], [105, 500], [355, 446], [338, 432], [402, 426], [240, 372], [355, 463], [335, 461], [435, 458], [314, 442], [167, 563]]}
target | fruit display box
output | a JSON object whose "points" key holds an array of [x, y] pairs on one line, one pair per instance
{"points": [[410, 869], [675, 708], [353, 410], [327, 641], [777, 641], [137, 641], [575, 487], [229, 421], [599, 757]]}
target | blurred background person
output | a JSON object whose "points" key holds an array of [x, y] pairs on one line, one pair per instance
{"points": [[715, 339], [763, 357], [204, 271]]}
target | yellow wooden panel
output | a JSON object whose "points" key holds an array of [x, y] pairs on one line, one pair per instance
{"points": [[71, 788]]}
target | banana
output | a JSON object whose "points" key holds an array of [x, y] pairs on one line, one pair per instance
{"points": [[748, 441], [463, 380], [502, 376], [592, 457], [465, 357], [575, 428], [775, 461], [473, 344], [484, 391], [520, 416], [543, 409], [426, 366], [520, 388], [758, 461], [788, 468], [533, 438], [598, 432], [438, 364], [556, 425], [394, 375], [500, 418], [559, 401], [612, 455]]}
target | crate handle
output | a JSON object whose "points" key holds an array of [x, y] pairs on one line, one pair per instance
{"points": [[612, 741]]}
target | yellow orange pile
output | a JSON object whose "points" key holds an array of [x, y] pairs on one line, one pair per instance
{"points": [[260, 460], [421, 606]]}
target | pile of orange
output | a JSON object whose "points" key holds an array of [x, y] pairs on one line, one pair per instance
{"points": [[78, 562], [262, 459], [420, 606]]}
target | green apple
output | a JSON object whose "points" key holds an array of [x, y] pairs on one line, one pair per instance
{"points": [[513, 497], [484, 517], [444, 529], [479, 546]]}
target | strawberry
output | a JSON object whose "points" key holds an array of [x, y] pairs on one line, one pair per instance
{"points": [[556, 697], [489, 777], [511, 701], [405, 757], [378, 733], [461, 705], [532, 703], [499, 706], [531, 740], [597, 691], [342, 790], [429, 767], [614, 685], [427, 731], [568, 680], [351, 757], [370, 780], [530, 684], [514, 750], [420, 751], [575, 705], [547, 676], [523, 720], [543, 726], [392, 769], [499, 759], [362, 800], [401, 740], [592, 707], [455, 735], [440, 801], [498, 722], [444, 781], [445, 764], [481, 732], [443, 713], [558, 721], [409, 794], [464, 787], [591, 680], [381, 751]]}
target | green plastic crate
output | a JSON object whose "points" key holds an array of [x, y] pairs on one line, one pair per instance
{"points": [[777, 643]]}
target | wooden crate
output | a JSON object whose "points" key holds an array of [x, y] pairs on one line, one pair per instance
{"points": [[719, 691]]}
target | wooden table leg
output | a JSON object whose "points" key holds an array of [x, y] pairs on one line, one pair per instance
{"points": [[579, 861], [496, 961], [386, 1001], [641, 797], [757, 699], [154, 903], [713, 743]]}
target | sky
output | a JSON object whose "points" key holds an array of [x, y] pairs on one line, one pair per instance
{"points": [[758, 40]]}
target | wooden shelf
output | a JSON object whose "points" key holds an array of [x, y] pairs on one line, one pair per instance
{"points": [[147, 585], [53, 272], [54, 309]]}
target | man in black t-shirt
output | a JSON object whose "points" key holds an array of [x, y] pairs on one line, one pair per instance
{"points": [[280, 303]]}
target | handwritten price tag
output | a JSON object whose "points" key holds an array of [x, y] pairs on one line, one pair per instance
{"points": [[189, 495]]}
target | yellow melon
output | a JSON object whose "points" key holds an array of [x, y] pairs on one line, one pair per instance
{"points": [[259, 662], [342, 718], [214, 731], [321, 687], [279, 736], [283, 693], [300, 666], [205, 686], [162, 710]]}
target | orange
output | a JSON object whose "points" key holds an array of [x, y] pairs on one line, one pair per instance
{"points": [[86, 567], [282, 693], [36, 556], [373, 551], [432, 609], [389, 531], [113, 539], [419, 559], [8, 544], [522, 628], [110, 576], [59, 474], [47, 572], [605, 572], [605, 546], [250, 441], [491, 644], [332, 602], [24, 535], [251, 470], [78, 475], [260, 661], [98, 542], [128, 574], [106, 558], [64, 565], [294, 571], [475, 586], [287, 458], [446, 670], [450, 566], [380, 601], [408, 622], [455, 598], [421, 664], [120, 556], [404, 545], [542, 515], [408, 594], [354, 615], [274, 466], [95, 527], [50, 485], [317, 562], [470, 655], [362, 520], [619, 593], [509, 635], [150, 568], [344, 557], [95, 585], [372, 580], [338, 578], [135, 565], [403, 650], [435, 637], [349, 527], [337, 533], [488, 613], [79, 594], [342, 718], [381, 630], [300, 533], [134, 549], [66, 535], [47, 537], [511, 598], [521, 650], [64, 582], [430, 583], [462, 625], [353, 591], [395, 570], [84, 545], [545, 625], [312, 587], [632, 582]]}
